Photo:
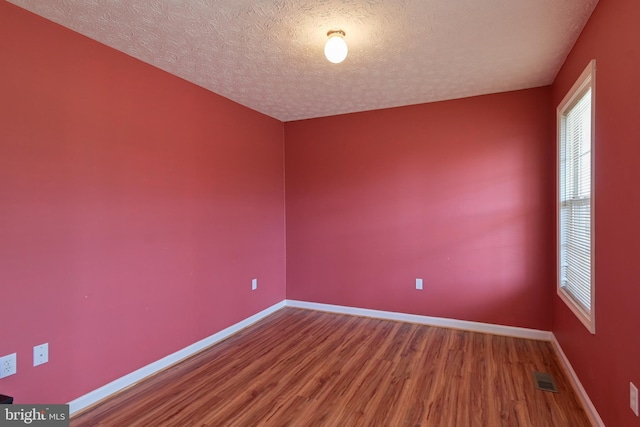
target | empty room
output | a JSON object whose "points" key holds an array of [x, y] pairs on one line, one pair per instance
{"points": [[320, 213]]}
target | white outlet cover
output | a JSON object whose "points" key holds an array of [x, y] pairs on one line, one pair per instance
{"points": [[633, 398], [419, 284], [40, 354], [254, 284], [8, 365]]}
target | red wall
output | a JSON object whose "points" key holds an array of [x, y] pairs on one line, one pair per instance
{"points": [[135, 208], [459, 193], [607, 361]]}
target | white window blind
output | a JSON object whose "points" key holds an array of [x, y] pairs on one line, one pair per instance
{"points": [[575, 199]]}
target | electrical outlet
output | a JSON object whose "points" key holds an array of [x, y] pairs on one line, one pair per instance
{"points": [[419, 284], [8, 365], [254, 284], [40, 354], [633, 398]]}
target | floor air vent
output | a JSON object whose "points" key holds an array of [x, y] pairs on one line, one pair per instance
{"points": [[545, 382]]}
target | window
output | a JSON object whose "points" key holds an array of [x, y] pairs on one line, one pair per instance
{"points": [[575, 203]]}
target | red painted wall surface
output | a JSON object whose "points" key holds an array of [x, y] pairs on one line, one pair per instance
{"points": [[135, 208], [607, 361], [459, 193]]}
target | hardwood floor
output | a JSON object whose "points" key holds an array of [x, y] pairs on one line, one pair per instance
{"points": [[308, 368]]}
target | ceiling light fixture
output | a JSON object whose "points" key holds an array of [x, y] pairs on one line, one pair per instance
{"points": [[336, 48]]}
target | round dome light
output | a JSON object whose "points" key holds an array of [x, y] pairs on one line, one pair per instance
{"points": [[336, 48]]}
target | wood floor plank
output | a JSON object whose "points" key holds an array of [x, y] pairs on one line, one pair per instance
{"points": [[307, 368]]}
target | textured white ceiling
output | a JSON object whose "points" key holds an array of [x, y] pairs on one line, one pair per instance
{"points": [[268, 54]]}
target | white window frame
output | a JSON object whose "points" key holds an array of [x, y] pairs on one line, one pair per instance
{"points": [[586, 81]]}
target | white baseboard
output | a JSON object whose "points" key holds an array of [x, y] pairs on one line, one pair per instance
{"points": [[589, 408], [487, 328], [152, 368]]}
